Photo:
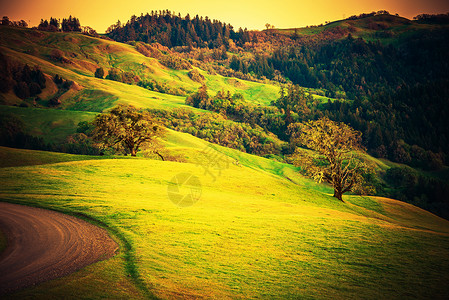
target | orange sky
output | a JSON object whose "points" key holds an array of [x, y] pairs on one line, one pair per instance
{"points": [[252, 14]]}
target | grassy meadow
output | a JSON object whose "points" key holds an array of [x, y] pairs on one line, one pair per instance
{"points": [[240, 239]]}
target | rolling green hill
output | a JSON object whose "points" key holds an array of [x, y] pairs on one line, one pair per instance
{"points": [[76, 57], [240, 239]]}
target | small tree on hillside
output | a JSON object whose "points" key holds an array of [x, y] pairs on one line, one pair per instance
{"points": [[5, 21], [128, 130], [99, 72], [334, 157], [200, 99]]}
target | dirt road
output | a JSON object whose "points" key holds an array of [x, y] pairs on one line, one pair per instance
{"points": [[43, 245]]}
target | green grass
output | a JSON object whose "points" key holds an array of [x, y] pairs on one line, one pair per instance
{"points": [[253, 233], [10, 157], [51, 124]]}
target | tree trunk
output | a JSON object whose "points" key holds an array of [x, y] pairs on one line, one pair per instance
{"points": [[159, 155], [133, 152], [338, 194]]}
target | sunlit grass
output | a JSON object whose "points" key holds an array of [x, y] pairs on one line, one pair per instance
{"points": [[253, 233]]}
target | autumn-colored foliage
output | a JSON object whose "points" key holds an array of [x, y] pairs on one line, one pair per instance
{"points": [[334, 159], [126, 129]]}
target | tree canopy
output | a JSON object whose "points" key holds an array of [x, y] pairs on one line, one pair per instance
{"points": [[172, 30], [293, 100], [126, 129], [99, 72], [335, 159]]}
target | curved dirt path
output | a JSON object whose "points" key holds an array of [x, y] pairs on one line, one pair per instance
{"points": [[43, 245]]}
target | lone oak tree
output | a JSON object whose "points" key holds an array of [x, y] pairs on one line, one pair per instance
{"points": [[126, 129], [334, 157]]}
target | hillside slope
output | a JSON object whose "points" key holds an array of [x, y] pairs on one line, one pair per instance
{"points": [[76, 57], [240, 239], [388, 29]]}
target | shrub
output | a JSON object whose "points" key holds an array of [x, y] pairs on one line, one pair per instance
{"points": [[54, 101], [175, 62], [34, 89], [99, 73], [196, 76], [22, 90]]}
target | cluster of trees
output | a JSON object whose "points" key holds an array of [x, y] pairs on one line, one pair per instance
{"points": [[220, 67], [421, 190], [175, 62], [63, 86], [195, 75], [410, 126], [26, 81], [99, 73], [293, 105], [214, 128], [71, 24], [367, 15], [6, 22], [171, 30], [350, 68], [294, 100], [161, 87], [121, 76], [52, 25], [67, 25], [235, 107], [433, 19], [29, 82], [166, 57]]}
